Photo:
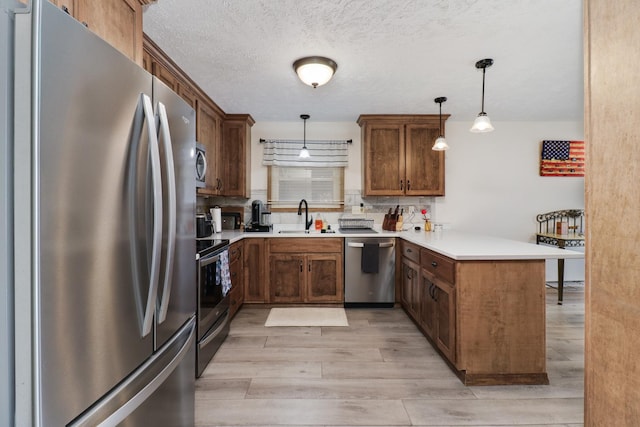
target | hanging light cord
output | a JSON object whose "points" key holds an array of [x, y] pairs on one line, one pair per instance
{"points": [[484, 70], [441, 119], [304, 134]]}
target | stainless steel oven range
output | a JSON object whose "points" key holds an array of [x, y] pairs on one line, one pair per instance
{"points": [[213, 303]]}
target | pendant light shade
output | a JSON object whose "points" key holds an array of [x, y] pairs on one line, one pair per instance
{"points": [[315, 70], [304, 153], [482, 123], [441, 142]]}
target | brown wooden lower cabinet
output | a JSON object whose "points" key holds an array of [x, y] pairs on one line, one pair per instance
{"points": [[236, 267], [305, 270], [486, 318], [410, 286], [254, 271], [438, 313]]}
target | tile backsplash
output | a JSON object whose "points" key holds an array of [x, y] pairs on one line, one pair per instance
{"points": [[374, 207]]}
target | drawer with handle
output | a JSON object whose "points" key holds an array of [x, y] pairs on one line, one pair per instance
{"points": [[441, 266], [411, 251]]}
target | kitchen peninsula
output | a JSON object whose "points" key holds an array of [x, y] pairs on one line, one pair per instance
{"points": [[479, 300]]}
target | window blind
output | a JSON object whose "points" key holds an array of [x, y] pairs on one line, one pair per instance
{"points": [[323, 153]]}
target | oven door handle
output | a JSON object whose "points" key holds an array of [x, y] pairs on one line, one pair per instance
{"points": [[215, 333], [361, 245], [209, 260]]}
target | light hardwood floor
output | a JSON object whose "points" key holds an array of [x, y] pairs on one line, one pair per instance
{"points": [[380, 371]]}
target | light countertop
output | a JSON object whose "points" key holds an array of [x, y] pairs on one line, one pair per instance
{"points": [[453, 244]]}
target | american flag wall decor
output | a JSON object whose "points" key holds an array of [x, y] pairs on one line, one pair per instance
{"points": [[562, 158]]}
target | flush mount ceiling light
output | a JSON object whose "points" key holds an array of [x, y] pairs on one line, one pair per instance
{"points": [[482, 122], [304, 153], [441, 143], [315, 70]]}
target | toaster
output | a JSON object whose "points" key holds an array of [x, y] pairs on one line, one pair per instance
{"points": [[230, 220]]}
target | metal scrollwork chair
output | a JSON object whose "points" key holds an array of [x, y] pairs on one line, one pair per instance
{"points": [[564, 229]]}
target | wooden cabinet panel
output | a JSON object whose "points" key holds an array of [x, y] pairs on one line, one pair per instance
{"points": [[255, 282], [428, 306], [410, 251], [147, 62], [397, 158], [119, 22], [384, 156], [438, 265], [235, 152], [69, 6], [438, 313], [286, 278], [187, 94], [300, 245], [410, 292], [165, 76], [306, 270], [325, 278], [236, 267], [424, 167], [445, 336]]}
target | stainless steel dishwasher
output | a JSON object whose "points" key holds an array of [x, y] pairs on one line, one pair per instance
{"points": [[369, 282]]}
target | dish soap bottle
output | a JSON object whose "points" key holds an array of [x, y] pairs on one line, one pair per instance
{"points": [[318, 223]]}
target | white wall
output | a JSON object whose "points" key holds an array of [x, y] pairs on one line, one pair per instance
{"points": [[492, 181]]}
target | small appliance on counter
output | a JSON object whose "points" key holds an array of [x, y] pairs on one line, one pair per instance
{"points": [[204, 227], [230, 220], [260, 218]]}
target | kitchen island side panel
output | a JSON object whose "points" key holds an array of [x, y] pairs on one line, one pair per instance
{"points": [[501, 320]]}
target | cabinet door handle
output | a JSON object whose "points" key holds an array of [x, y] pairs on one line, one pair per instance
{"points": [[408, 185], [300, 266], [401, 184], [66, 10], [309, 266], [434, 264], [409, 250]]}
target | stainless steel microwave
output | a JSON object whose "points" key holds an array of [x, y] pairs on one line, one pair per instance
{"points": [[201, 165]]}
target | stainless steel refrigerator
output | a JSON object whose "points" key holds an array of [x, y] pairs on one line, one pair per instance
{"points": [[103, 210]]}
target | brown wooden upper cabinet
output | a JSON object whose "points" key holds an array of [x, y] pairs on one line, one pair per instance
{"points": [[234, 169], [119, 22], [397, 158]]}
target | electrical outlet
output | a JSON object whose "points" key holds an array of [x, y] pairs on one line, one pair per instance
{"points": [[412, 210]]}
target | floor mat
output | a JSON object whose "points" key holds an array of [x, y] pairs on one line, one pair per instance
{"points": [[307, 316]]}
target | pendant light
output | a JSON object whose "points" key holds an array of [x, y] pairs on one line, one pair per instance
{"points": [[482, 122], [441, 143], [304, 153], [315, 70]]}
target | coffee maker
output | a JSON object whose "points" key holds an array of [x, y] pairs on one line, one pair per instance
{"points": [[259, 217]]}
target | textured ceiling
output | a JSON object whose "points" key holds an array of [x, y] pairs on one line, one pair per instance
{"points": [[394, 56]]}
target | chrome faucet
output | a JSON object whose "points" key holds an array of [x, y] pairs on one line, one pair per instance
{"points": [[307, 221]]}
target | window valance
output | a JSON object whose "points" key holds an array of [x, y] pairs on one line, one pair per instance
{"points": [[323, 153]]}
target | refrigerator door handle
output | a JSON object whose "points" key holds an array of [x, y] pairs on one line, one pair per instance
{"points": [[156, 181], [165, 136], [143, 382]]}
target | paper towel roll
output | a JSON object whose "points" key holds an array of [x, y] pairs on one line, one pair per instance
{"points": [[216, 219]]}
